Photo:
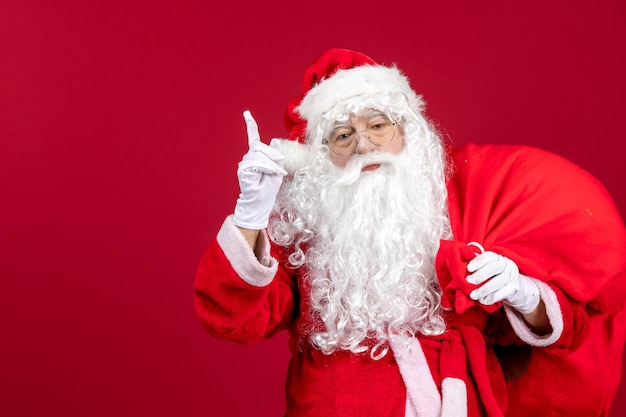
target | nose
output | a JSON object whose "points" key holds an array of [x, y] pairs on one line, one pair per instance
{"points": [[363, 144]]}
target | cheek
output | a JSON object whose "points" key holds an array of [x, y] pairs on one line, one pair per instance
{"points": [[339, 160], [395, 146]]}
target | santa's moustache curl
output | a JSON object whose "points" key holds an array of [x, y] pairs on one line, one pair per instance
{"points": [[368, 239]]}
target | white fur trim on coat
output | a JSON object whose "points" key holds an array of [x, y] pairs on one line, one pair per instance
{"points": [[423, 398], [258, 272], [454, 394], [555, 316]]}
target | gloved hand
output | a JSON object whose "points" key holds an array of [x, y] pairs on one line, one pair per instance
{"points": [[501, 281], [260, 174]]}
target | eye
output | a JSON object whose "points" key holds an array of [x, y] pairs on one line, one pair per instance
{"points": [[378, 124], [341, 135]]}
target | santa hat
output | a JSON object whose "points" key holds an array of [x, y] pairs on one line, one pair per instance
{"points": [[338, 76], [341, 81]]}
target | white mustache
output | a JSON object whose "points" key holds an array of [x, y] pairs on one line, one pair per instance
{"points": [[354, 168]]}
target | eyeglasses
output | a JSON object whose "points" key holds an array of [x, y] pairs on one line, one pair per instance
{"points": [[344, 139]]}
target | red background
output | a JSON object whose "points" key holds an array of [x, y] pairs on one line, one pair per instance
{"points": [[121, 129]]}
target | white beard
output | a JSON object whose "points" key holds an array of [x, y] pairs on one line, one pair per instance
{"points": [[372, 240]]}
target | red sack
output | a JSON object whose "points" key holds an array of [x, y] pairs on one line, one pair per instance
{"points": [[560, 226]]}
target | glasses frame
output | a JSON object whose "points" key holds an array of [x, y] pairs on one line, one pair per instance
{"points": [[325, 141]]}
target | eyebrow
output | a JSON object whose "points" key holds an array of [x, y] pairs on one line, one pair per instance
{"points": [[370, 114]]}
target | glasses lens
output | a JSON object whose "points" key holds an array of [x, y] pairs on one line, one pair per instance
{"points": [[380, 131], [342, 141]]}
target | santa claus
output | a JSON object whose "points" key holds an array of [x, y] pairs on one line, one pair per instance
{"points": [[416, 279]]}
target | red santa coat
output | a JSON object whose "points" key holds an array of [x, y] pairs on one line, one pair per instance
{"points": [[497, 196]]}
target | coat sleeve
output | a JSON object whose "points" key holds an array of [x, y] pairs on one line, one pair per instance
{"points": [[240, 297]]}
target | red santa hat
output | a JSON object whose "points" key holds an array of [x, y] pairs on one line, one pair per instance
{"points": [[341, 81], [338, 76], [323, 67]]}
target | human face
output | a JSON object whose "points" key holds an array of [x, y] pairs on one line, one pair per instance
{"points": [[368, 120]]}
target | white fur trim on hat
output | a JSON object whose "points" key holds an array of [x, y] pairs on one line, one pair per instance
{"points": [[371, 83]]}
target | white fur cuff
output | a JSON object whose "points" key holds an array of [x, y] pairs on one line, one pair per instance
{"points": [[555, 316], [242, 258]]}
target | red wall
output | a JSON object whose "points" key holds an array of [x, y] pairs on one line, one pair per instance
{"points": [[121, 129]]}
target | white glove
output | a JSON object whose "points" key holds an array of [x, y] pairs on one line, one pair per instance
{"points": [[501, 281], [260, 174]]}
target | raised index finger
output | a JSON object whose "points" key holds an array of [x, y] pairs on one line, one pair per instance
{"points": [[252, 127]]}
